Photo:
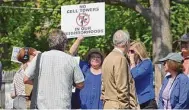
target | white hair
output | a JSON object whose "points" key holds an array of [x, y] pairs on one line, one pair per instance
{"points": [[121, 38]]}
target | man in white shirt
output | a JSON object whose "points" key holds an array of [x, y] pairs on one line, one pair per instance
{"points": [[58, 71]]}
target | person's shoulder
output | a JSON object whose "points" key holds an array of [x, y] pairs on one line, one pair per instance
{"points": [[81, 62], [56, 53], [117, 55], [183, 77], [119, 59], [147, 61]]}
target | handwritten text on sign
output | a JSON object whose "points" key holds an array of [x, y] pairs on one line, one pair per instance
{"points": [[83, 20]]}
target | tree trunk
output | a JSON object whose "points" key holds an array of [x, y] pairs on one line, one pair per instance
{"points": [[161, 38]]}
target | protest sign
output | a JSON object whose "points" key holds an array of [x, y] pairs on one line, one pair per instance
{"points": [[15, 52], [83, 20]]}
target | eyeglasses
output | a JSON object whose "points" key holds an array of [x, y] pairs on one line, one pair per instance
{"points": [[132, 51], [164, 63]]}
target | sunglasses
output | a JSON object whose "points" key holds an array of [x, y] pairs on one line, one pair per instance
{"points": [[164, 63], [132, 51]]}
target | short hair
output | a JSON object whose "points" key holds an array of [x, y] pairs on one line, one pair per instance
{"points": [[121, 38], [140, 49], [175, 66], [20, 55], [57, 40], [101, 57]]}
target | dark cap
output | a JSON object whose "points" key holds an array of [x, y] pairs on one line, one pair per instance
{"points": [[184, 38]]}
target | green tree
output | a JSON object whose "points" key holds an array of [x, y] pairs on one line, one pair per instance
{"points": [[155, 22]]}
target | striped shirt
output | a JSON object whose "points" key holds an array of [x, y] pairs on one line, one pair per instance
{"points": [[58, 71], [18, 87]]}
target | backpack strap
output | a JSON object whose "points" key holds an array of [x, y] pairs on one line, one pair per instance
{"points": [[35, 84]]}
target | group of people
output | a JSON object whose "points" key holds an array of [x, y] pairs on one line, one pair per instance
{"points": [[121, 80], [174, 93]]}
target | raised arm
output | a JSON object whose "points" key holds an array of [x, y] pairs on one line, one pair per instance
{"points": [[74, 47]]}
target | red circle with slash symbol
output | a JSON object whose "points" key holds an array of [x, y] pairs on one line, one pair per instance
{"points": [[83, 19]]}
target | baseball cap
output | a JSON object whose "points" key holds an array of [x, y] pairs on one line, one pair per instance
{"points": [[173, 56]]}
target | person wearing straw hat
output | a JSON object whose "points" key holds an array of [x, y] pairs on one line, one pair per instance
{"points": [[184, 40], [91, 68], [174, 93]]}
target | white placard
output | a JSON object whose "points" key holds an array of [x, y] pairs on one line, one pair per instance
{"points": [[15, 52], [83, 20]]}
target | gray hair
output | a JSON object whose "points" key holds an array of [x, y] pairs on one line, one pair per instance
{"points": [[57, 40], [121, 38]]}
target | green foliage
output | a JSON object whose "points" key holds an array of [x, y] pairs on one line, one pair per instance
{"points": [[179, 22], [30, 27]]}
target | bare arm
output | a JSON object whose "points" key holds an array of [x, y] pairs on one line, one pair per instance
{"points": [[74, 47], [27, 80], [79, 85]]}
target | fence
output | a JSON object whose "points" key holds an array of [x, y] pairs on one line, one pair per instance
{"points": [[7, 78]]}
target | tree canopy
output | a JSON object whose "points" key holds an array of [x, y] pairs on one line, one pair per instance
{"points": [[28, 24]]}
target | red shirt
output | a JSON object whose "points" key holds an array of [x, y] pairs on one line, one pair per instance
{"points": [[186, 66]]}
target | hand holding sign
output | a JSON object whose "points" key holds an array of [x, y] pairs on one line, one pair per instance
{"points": [[80, 38]]}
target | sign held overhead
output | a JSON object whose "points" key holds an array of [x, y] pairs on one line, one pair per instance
{"points": [[83, 20]]}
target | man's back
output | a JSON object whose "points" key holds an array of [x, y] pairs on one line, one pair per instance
{"points": [[108, 67], [117, 81], [58, 71]]}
